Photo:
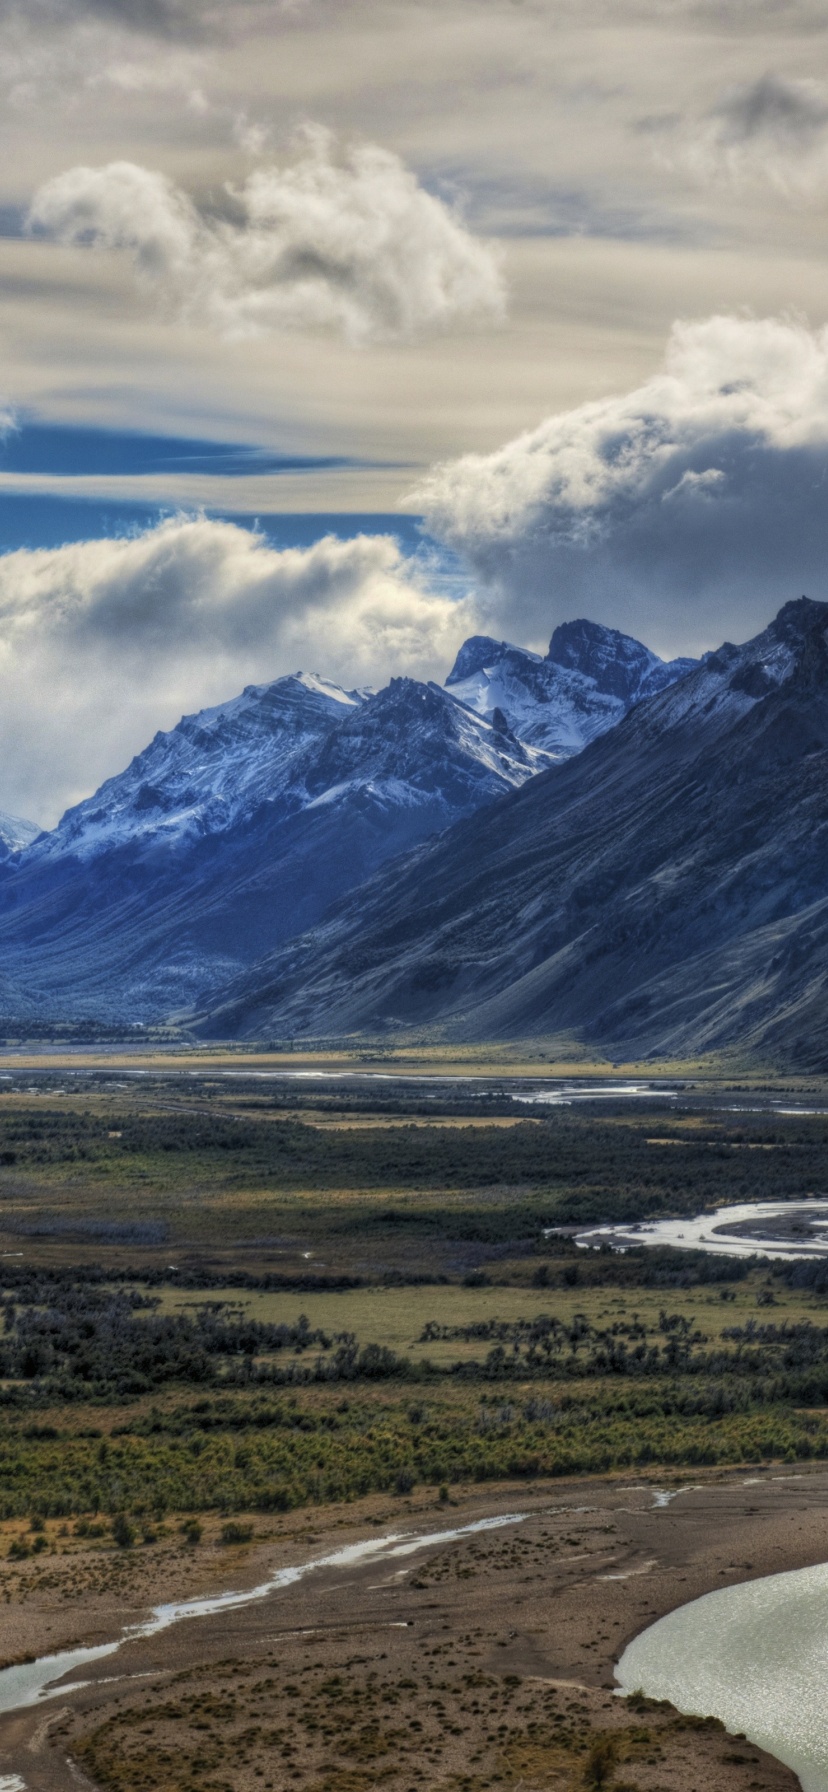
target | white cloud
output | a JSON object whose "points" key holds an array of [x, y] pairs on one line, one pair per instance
{"points": [[250, 136], [772, 131], [705, 484], [345, 240], [102, 642]]}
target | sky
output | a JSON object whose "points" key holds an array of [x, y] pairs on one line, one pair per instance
{"points": [[333, 331]]}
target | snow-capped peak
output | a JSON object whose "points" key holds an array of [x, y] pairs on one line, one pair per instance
{"points": [[619, 665], [506, 714], [208, 772], [589, 679]]}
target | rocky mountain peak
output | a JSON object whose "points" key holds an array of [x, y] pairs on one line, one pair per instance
{"points": [[799, 617], [476, 653], [591, 676], [15, 834], [619, 665]]}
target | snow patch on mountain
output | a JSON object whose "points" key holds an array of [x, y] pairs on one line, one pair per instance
{"points": [[589, 679], [554, 711], [16, 834], [208, 773]]}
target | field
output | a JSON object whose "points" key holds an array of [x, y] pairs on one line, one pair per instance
{"points": [[223, 1294]]}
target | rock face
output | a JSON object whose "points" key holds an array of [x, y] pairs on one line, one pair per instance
{"points": [[618, 665], [664, 892], [589, 679], [241, 826]]}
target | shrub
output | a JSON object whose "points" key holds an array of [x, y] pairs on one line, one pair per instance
{"points": [[599, 1766], [236, 1533]]}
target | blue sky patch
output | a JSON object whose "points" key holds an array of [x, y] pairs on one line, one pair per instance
{"points": [[43, 520], [66, 450]]}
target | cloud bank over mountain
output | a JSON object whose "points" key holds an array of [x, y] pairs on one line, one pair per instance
{"points": [[702, 488], [343, 238], [104, 641]]}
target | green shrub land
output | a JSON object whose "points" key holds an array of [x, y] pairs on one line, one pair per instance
{"points": [[222, 1305], [242, 1456]]}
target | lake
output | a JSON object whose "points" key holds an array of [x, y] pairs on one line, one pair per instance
{"points": [[754, 1655]]}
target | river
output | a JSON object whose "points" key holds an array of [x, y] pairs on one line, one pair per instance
{"points": [[772, 1229]]}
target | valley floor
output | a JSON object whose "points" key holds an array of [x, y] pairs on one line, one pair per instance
{"points": [[483, 1661], [247, 1321]]}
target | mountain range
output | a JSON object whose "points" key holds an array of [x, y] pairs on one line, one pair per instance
{"points": [[662, 892], [237, 830]]}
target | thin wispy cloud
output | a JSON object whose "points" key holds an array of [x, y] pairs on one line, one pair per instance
{"points": [[341, 238], [49, 56], [156, 18]]}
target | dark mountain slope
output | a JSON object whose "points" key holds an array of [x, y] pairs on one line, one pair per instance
{"points": [[641, 893]]}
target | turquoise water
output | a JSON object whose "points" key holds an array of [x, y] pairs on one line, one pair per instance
{"points": [[754, 1655]]}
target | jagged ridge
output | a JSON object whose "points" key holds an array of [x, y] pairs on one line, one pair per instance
{"points": [[666, 891], [239, 827]]}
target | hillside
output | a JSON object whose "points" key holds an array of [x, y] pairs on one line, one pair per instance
{"points": [[663, 892]]}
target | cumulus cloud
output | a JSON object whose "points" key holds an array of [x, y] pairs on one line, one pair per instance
{"points": [[339, 239], [685, 509], [773, 130], [104, 641]]}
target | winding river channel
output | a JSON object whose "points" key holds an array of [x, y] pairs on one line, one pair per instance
{"points": [[775, 1229], [754, 1655], [29, 1682]]}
